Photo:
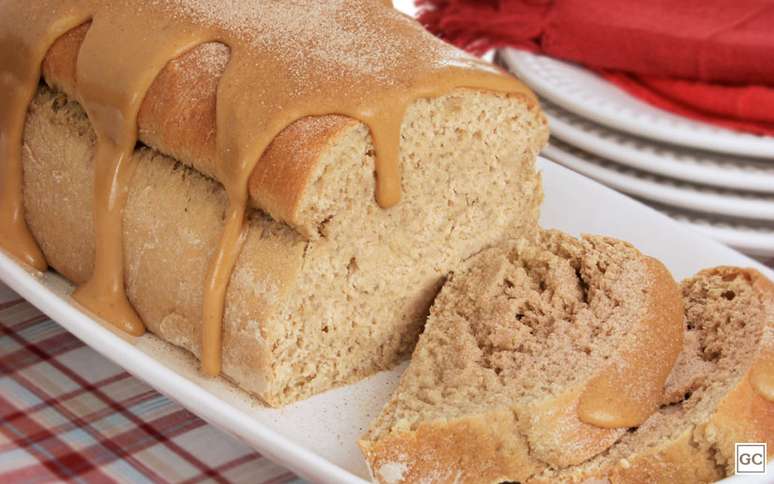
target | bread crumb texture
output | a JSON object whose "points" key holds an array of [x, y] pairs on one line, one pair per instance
{"points": [[492, 389]]}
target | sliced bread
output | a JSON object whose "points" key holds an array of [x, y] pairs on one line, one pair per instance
{"points": [[536, 356], [719, 392]]}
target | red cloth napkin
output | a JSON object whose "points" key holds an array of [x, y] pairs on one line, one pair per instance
{"points": [[742, 108], [712, 60]]}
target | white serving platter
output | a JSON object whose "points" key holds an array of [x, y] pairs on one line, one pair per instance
{"points": [[664, 190], [317, 438], [582, 92], [703, 167]]}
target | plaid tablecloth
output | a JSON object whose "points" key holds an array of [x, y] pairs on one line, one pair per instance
{"points": [[68, 414]]}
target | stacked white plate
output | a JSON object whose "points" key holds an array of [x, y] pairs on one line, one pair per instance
{"points": [[717, 181]]}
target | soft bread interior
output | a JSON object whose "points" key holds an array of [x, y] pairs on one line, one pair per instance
{"points": [[303, 313], [521, 325], [382, 268], [725, 319]]}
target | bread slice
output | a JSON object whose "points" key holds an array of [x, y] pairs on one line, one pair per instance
{"points": [[512, 345], [714, 395], [306, 309]]}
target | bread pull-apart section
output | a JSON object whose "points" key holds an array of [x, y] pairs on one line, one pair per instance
{"points": [[515, 346]]}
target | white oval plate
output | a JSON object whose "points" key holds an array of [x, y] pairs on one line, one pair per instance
{"points": [[719, 170], [663, 190], [317, 437], [582, 92]]}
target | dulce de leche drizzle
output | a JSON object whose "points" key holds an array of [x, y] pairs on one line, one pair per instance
{"points": [[289, 59], [116, 66], [27, 30]]}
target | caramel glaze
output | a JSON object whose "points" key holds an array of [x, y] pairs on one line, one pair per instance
{"points": [[27, 30], [116, 66]]}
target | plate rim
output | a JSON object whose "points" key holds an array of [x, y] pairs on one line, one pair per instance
{"points": [[731, 237], [635, 157], [613, 179], [709, 137]]}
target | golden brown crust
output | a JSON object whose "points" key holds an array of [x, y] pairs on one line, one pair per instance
{"points": [[744, 415], [677, 461], [558, 436], [635, 379], [281, 178], [704, 453]]}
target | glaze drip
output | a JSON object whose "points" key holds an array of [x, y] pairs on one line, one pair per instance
{"points": [[27, 31]]}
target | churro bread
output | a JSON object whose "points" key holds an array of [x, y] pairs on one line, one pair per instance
{"points": [[278, 187], [538, 356], [307, 308], [720, 392]]}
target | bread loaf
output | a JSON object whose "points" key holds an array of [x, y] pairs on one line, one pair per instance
{"points": [[719, 392], [304, 311], [315, 113], [499, 383]]}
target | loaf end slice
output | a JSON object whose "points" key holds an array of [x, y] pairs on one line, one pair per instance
{"points": [[513, 340]]}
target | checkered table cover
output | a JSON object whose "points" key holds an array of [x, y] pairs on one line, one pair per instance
{"points": [[69, 414]]}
